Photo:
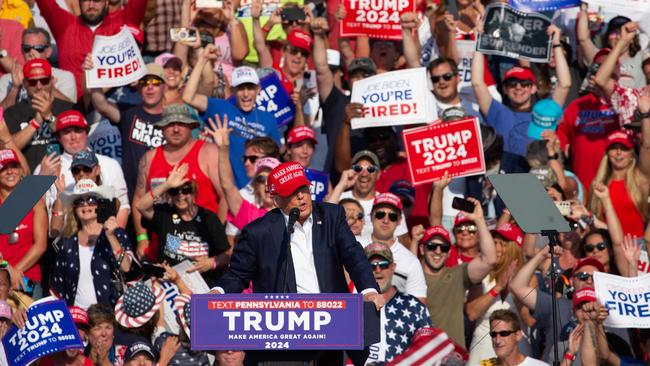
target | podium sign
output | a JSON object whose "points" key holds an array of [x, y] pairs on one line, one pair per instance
{"points": [[277, 321]]}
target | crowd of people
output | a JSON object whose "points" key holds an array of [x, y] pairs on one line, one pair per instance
{"points": [[175, 166]]}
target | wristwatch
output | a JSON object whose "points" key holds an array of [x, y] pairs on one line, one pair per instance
{"points": [[639, 116], [554, 156], [51, 119], [3, 53]]}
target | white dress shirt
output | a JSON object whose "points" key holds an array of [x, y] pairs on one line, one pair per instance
{"points": [[302, 255]]}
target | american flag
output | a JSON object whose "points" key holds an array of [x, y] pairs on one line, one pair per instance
{"points": [[185, 248], [401, 317], [431, 346]]}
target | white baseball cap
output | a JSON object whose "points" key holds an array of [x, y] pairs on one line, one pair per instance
{"points": [[244, 75], [333, 57]]}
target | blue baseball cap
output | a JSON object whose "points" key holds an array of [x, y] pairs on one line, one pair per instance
{"points": [[545, 115]]}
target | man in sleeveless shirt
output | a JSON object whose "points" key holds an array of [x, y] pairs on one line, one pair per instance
{"points": [[154, 167]]}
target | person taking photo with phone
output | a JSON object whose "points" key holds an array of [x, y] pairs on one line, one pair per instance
{"points": [[94, 250], [185, 230]]}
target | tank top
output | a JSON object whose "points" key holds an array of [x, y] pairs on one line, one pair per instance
{"points": [[205, 196], [631, 219], [14, 252]]}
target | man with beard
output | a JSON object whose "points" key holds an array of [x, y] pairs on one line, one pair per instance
{"points": [[75, 35], [403, 314], [435, 246]]}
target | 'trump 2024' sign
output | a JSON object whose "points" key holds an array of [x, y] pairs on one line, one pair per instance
{"points": [[277, 321]]}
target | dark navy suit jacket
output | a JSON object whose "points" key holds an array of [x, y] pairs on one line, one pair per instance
{"points": [[261, 252]]}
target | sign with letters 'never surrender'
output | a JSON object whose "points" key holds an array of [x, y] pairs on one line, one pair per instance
{"points": [[513, 33]]}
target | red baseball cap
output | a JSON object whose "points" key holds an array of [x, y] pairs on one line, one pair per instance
{"points": [[435, 231], [585, 294], [8, 156], [79, 315], [300, 39], [620, 137], [285, 178], [461, 218], [138, 34], [37, 68], [510, 232], [587, 261], [520, 73], [301, 133], [70, 118], [387, 199]]}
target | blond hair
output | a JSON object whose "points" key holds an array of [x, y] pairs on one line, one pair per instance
{"points": [[72, 225], [511, 253], [604, 176]]}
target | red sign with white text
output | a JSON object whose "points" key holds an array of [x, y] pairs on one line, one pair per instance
{"points": [[455, 147], [375, 18]]}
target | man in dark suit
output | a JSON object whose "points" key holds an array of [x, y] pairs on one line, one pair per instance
{"points": [[320, 247]]}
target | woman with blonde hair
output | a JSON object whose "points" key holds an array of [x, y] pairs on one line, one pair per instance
{"points": [[628, 185], [92, 253], [508, 240]]}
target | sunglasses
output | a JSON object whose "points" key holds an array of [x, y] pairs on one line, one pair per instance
{"points": [[358, 216], [78, 169], [185, 189], [600, 246], [434, 246], [38, 48], [503, 333], [150, 81], [446, 77], [261, 179], [380, 264], [250, 158], [392, 216], [511, 83], [358, 168], [85, 201], [583, 276], [34, 82], [295, 50], [469, 228]]}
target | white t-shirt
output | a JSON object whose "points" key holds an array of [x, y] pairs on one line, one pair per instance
{"points": [[85, 287], [367, 207], [408, 276], [529, 361]]}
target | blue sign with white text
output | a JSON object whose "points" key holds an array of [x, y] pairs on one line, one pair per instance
{"points": [[277, 321], [49, 329], [274, 99], [319, 184], [543, 5]]}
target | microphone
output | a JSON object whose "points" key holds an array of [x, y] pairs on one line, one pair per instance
{"points": [[293, 217]]}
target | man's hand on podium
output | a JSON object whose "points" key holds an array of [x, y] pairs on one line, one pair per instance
{"points": [[378, 299], [217, 290]]}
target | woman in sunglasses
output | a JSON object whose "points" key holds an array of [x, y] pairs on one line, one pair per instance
{"points": [[495, 295], [93, 252], [23, 248], [185, 230]]}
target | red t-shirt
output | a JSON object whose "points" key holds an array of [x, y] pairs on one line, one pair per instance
{"points": [[14, 253], [631, 219], [585, 125], [456, 258]]}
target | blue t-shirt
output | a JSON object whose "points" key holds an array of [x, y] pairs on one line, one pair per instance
{"points": [[245, 126], [513, 127]]}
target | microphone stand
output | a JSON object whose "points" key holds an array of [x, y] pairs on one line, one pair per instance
{"points": [[553, 240]]}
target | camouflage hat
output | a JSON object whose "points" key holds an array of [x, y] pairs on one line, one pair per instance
{"points": [[176, 113], [379, 250]]}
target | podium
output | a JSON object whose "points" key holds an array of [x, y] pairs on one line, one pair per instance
{"points": [[299, 325]]}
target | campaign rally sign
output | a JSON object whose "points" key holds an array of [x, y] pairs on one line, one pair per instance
{"points": [[49, 329], [394, 98], [455, 147], [643, 265], [277, 321], [274, 99], [375, 18], [626, 298], [319, 184], [117, 61], [543, 5], [513, 33]]}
